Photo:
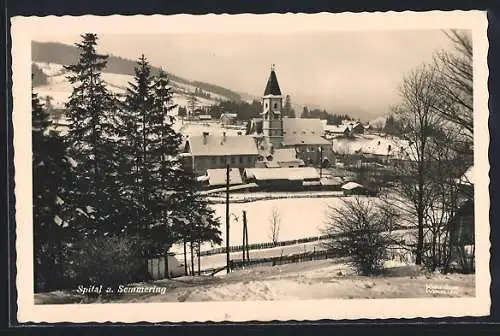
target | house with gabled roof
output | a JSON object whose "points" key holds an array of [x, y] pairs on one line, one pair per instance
{"points": [[213, 151]]}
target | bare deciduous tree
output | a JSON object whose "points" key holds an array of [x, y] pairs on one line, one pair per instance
{"points": [[417, 113], [275, 223], [455, 81], [362, 229]]}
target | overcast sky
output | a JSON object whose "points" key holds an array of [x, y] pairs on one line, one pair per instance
{"points": [[355, 72]]}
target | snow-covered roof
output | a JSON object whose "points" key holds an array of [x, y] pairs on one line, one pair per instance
{"points": [[299, 131], [351, 186], [202, 178], [335, 180], [263, 174], [218, 176], [272, 164], [338, 129], [231, 188], [215, 145], [228, 115]]}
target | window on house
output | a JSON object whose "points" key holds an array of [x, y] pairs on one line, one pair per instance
{"points": [[214, 160], [233, 160], [241, 159], [275, 105]]}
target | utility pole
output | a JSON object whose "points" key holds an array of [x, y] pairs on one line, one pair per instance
{"points": [[245, 242], [247, 245], [199, 261], [321, 162], [228, 261]]}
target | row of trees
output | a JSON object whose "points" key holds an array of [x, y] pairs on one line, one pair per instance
{"points": [[436, 115], [113, 177], [332, 119], [434, 121], [200, 93], [245, 111]]}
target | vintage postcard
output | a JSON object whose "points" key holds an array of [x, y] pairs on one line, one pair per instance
{"points": [[251, 167]]}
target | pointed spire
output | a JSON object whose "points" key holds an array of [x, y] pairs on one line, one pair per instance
{"points": [[272, 87]]}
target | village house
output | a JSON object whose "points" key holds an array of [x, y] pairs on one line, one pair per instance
{"points": [[305, 136], [346, 129], [286, 158], [228, 119], [218, 177], [333, 131], [208, 151], [283, 179]]}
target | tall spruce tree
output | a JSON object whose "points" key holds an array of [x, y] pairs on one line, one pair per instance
{"points": [[51, 180], [91, 111], [305, 113], [135, 142], [165, 149], [287, 108]]}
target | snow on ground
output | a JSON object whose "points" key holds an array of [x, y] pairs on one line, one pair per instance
{"points": [[315, 280], [182, 100], [219, 260], [187, 88], [50, 69], [59, 98], [300, 218], [60, 89]]}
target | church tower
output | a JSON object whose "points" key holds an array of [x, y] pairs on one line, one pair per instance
{"points": [[272, 123]]}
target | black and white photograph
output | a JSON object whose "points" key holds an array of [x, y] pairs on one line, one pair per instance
{"points": [[251, 167]]}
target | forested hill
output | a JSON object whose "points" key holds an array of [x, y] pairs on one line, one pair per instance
{"points": [[51, 52]]}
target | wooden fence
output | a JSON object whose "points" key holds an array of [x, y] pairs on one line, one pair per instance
{"points": [[267, 245], [261, 246], [289, 259]]}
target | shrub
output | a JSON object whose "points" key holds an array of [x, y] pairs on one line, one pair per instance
{"points": [[365, 231], [107, 261]]}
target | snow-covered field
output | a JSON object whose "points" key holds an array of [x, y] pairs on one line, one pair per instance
{"points": [[315, 280], [300, 218]]}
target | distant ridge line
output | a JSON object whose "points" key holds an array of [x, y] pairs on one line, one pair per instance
{"points": [[60, 53]]}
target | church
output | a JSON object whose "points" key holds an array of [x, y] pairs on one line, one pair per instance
{"points": [[279, 136]]}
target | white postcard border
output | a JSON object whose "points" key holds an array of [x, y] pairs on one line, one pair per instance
{"points": [[24, 28]]}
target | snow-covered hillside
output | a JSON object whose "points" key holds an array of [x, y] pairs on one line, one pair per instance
{"points": [[59, 89]]}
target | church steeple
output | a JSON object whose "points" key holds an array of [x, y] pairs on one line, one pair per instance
{"points": [[272, 87], [272, 103]]}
